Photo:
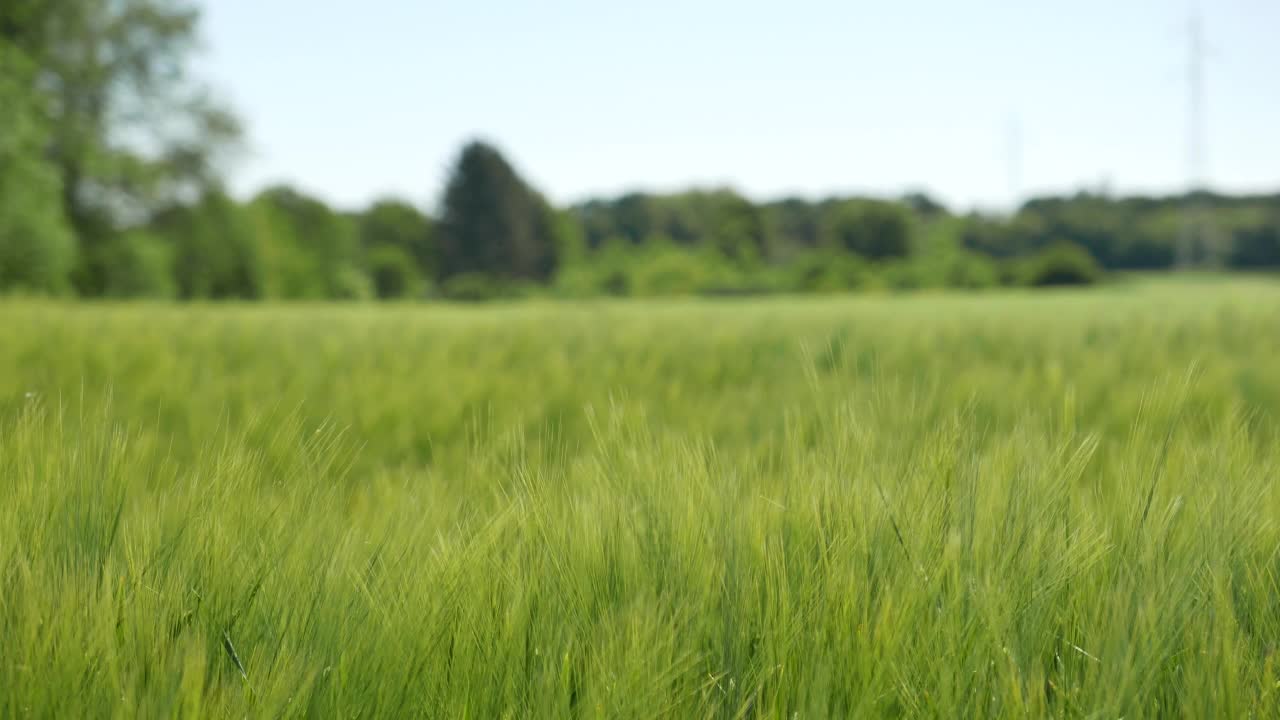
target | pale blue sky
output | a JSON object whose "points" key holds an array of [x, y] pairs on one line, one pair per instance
{"points": [[356, 100]]}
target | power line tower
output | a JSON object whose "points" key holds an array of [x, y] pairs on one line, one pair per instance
{"points": [[1193, 244]]}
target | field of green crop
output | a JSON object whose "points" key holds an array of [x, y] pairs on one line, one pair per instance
{"points": [[1048, 505]]}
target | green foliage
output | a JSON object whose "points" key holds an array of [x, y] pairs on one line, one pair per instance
{"points": [[37, 250], [315, 253], [970, 271], [351, 283], [1062, 263], [394, 273], [658, 268], [473, 287], [570, 239], [794, 224], [217, 253], [942, 261], [971, 506], [493, 223], [396, 224], [605, 271], [1256, 241], [930, 248], [902, 275], [666, 270], [615, 262], [136, 264], [287, 267], [1111, 231], [721, 221], [582, 280], [129, 127], [961, 270], [873, 229], [738, 229], [827, 271]]}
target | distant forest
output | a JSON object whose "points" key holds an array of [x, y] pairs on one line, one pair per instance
{"points": [[112, 159]]}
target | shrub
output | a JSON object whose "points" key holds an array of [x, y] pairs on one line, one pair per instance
{"points": [[351, 283], [1062, 263], [393, 273], [971, 271], [615, 282], [472, 287], [670, 271], [579, 279], [904, 275], [874, 229], [825, 271]]}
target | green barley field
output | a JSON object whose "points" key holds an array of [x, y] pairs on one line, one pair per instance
{"points": [[1061, 504]]}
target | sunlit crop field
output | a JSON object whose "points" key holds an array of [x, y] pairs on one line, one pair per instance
{"points": [[1006, 505]]}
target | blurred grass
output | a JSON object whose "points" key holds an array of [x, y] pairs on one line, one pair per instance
{"points": [[1057, 504]]}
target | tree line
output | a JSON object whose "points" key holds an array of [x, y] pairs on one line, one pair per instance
{"points": [[112, 156]]}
